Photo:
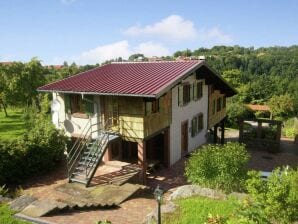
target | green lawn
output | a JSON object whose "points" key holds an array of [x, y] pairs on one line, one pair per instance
{"points": [[196, 209], [13, 126]]}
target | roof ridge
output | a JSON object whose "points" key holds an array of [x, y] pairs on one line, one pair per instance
{"points": [[148, 62]]}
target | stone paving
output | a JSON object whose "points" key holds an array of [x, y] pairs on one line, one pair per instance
{"points": [[133, 210]]}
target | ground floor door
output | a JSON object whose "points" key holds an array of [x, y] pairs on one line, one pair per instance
{"points": [[184, 137]]}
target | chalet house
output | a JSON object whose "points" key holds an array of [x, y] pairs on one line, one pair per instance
{"points": [[141, 112]]}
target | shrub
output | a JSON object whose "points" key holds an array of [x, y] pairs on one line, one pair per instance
{"points": [[40, 149], [6, 216], [219, 166], [277, 197]]}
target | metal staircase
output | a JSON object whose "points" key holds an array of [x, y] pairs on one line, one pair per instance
{"points": [[88, 151]]}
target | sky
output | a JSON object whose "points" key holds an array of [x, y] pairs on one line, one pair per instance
{"points": [[92, 31]]}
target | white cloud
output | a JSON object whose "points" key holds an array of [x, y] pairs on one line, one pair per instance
{"points": [[173, 27], [214, 35], [150, 49], [104, 52], [119, 49]]}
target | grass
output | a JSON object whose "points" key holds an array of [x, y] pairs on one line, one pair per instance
{"points": [[196, 210], [13, 126], [6, 216]]}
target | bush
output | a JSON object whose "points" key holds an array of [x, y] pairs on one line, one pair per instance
{"points": [[277, 197], [6, 216], [222, 167], [40, 149]]}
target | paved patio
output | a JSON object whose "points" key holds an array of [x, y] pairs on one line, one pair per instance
{"points": [[133, 210]]}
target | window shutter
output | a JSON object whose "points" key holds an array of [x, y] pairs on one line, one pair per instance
{"points": [[180, 96], [67, 104], [193, 127], [191, 95], [200, 122], [89, 106], [195, 91]]}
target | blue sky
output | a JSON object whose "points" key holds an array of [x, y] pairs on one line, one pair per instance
{"points": [[90, 31]]}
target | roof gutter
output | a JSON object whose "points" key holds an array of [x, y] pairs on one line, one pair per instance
{"points": [[96, 93]]}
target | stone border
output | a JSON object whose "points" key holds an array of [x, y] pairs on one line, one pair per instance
{"points": [[187, 191], [30, 219]]}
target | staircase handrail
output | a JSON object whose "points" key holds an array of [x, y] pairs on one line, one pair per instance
{"points": [[96, 154], [75, 152], [80, 136], [96, 143]]}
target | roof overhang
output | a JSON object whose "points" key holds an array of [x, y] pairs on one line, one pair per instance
{"points": [[203, 71], [96, 93]]}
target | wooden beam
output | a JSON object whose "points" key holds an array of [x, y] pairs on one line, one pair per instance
{"points": [[142, 161]]}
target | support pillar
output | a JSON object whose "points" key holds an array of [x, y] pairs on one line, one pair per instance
{"points": [[222, 137], [108, 154], [142, 160], [215, 134]]}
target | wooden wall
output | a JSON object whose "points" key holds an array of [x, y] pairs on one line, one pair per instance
{"points": [[160, 120], [133, 124], [130, 115], [218, 115]]}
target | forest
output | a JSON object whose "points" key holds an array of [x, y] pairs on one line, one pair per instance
{"points": [[261, 76]]}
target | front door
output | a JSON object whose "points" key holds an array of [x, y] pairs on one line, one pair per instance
{"points": [[184, 137]]}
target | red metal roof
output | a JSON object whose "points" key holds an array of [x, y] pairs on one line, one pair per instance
{"points": [[139, 78]]}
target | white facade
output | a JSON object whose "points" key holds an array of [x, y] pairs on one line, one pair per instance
{"points": [[72, 124], [184, 113]]}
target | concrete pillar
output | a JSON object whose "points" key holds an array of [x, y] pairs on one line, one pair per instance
{"points": [[142, 161]]}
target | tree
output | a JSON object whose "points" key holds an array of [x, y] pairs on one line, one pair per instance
{"points": [[134, 57], [282, 105]]}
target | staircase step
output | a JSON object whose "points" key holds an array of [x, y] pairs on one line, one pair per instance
{"points": [[83, 163], [88, 158], [79, 174], [80, 168], [73, 179]]}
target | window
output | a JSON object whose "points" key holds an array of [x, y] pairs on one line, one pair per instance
{"points": [[213, 107], [184, 94], [152, 106], [224, 102], [197, 124], [74, 103], [198, 90], [219, 104], [194, 125]]}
